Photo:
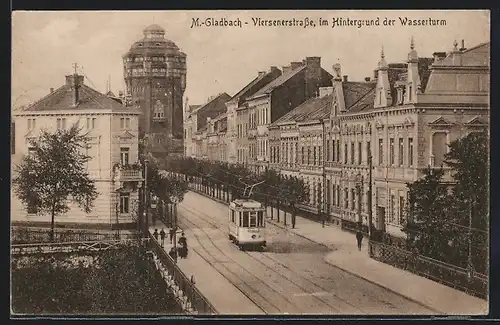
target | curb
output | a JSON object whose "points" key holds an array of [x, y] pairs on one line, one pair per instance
{"points": [[388, 289]]}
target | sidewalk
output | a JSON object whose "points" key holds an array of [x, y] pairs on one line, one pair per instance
{"points": [[346, 256], [223, 295]]}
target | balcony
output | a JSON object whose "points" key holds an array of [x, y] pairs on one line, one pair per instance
{"points": [[123, 174]]}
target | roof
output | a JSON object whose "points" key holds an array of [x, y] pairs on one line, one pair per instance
{"points": [[212, 109], [278, 81], [154, 28], [357, 95], [317, 108], [89, 99]]}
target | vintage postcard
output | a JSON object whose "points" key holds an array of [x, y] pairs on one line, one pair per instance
{"points": [[250, 162]]}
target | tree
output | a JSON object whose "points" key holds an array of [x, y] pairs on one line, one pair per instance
{"points": [[427, 225], [54, 174], [468, 157]]}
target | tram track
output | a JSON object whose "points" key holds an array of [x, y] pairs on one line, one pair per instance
{"points": [[268, 309], [305, 282], [281, 275]]}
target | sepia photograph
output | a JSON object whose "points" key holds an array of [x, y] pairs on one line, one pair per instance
{"points": [[250, 162]]}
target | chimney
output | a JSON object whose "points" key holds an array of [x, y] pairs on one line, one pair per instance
{"points": [[74, 82], [286, 69], [296, 65], [367, 79], [51, 90], [345, 78], [337, 72], [313, 61], [261, 73], [463, 48], [274, 68]]}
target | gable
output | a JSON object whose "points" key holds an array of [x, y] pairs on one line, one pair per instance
{"points": [[440, 121]]}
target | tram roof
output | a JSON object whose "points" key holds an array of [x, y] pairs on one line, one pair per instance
{"points": [[242, 203]]}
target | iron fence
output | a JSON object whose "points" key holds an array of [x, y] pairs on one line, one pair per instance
{"points": [[453, 276], [188, 287], [24, 235]]}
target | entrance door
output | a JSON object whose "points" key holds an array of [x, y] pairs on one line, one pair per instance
{"points": [[381, 218]]}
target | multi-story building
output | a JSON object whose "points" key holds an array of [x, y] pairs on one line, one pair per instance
{"points": [[155, 79], [215, 133], [403, 120], [235, 109], [111, 131], [196, 124], [299, 82]]}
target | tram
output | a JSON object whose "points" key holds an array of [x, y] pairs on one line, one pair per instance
{"points": [[247, 224]]}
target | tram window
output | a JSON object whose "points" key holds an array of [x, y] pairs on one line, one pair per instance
{"points": [[232, 215], [253, 219], [241, 218], [260, 218], [245, 219]]}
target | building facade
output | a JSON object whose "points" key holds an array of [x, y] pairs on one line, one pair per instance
{"points": [[403, 121], [111, 132], [155, 78], [197, 124], [298, 82]]}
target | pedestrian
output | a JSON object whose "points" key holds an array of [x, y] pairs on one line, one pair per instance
{"points": [[155, 234], [173, 253], [183, 250], [162, 236], [359, 238], [172, 232]]}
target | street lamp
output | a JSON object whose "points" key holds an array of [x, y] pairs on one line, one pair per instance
{"points": [[174, 200], [370, 213]]}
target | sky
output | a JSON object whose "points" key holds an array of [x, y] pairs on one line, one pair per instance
{"points": [[220, 59]]}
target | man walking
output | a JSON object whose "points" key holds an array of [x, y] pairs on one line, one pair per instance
{"points": [[359, 238], [155, 234], [171, 233], [162, 236]]}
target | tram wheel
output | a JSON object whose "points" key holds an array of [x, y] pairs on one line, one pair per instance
{"points": [[242, 247]]}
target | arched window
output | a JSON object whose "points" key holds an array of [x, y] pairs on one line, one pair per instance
{"points": [[159, 110]]}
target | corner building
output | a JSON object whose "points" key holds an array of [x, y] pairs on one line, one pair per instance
{"points": [[155, 79]]}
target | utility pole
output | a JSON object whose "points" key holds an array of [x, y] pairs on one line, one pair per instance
{"points": [[146, 199], [469, 260]]}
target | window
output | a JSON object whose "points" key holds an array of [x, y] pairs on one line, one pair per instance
{"points": [[391, 153], [360, 158], [368, 151], [31, 123], [392, 213], [260, 218], [353, 199], [296, 153], [125, 124], [61, 123], [308, 155], [345, 154], [253, 219], [90, 123], [333, 150], [401, 209], [31, 151], [409, 94], [401, 152], [303, 155], [410, 151], [352, 153], [334, 194], [124, 202], [124, 156], [439, 148], [380, 151], [314, 155], [338, 195], [346, 198], [245, 219], [327, 150], [338, 151]]}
